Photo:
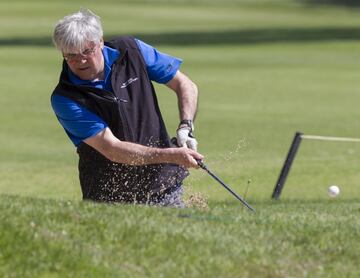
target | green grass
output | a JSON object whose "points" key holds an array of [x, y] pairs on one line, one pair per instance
{"points": [[265, 70], [287, 239]]}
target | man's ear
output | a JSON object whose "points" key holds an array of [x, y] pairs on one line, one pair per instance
{"points": [[102, 43]]}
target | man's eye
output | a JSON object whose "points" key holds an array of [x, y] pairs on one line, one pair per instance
{"points": [[86, 52]]}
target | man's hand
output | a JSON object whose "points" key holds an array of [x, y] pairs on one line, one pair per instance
{"points": [[185, 138], [185, 157]]}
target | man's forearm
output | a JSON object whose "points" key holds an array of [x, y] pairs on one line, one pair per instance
{"points": [[187, 94], [187, 100], [135, 154]]}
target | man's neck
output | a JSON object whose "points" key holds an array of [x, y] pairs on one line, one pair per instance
{"points": [[101, 74]]}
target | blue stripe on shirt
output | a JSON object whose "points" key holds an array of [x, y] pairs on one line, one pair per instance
{"points": [[160, 66], [78, 122]]}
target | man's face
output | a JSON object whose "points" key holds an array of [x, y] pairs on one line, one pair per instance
{"points": [[89, 64]]}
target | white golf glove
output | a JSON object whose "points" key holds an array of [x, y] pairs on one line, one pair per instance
{"points": [[184, 135]]}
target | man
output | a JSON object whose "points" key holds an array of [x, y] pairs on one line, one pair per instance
{"points": [[107, 105]]}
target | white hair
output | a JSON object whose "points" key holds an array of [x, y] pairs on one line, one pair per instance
{"points": [[75, 31]]}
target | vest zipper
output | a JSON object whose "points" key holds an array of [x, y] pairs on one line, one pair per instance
{"points": [[123, 117]]}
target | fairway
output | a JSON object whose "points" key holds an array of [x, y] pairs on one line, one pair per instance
{"points": [[265, 70]]}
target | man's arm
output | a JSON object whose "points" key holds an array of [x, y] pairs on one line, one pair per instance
{"points": [[134, 154], [187, 94]]}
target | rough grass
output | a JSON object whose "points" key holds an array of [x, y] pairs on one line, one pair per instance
{"points": [[42, 238]]}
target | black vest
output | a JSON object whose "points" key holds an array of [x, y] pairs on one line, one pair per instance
{"points": [[132, 113]]}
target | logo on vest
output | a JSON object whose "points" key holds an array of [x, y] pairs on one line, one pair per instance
{"points": [[127, 83]]}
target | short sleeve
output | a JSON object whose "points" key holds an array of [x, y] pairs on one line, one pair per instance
{"points": [[161, 67], [78, 122]]}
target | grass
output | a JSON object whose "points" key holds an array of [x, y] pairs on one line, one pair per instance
{"points": [[265, 70], [287, 239]]}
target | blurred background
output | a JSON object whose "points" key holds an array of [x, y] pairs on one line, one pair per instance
{"points": [[265, 69]]}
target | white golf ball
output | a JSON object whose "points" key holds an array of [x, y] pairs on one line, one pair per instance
{"points": [[333, 191]]}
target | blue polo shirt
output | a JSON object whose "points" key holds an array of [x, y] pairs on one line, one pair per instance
{"points": [[79, 123]]}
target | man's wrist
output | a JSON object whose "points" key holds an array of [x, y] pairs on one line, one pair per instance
{"points": [[186, 123]]}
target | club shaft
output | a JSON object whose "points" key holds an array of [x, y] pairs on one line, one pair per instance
{"points": [[226, 187]]}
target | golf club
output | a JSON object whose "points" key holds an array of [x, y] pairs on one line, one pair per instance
{"points": [[203, 166]]}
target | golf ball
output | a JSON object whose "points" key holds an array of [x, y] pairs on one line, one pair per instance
{"points": [[333, 191]]}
